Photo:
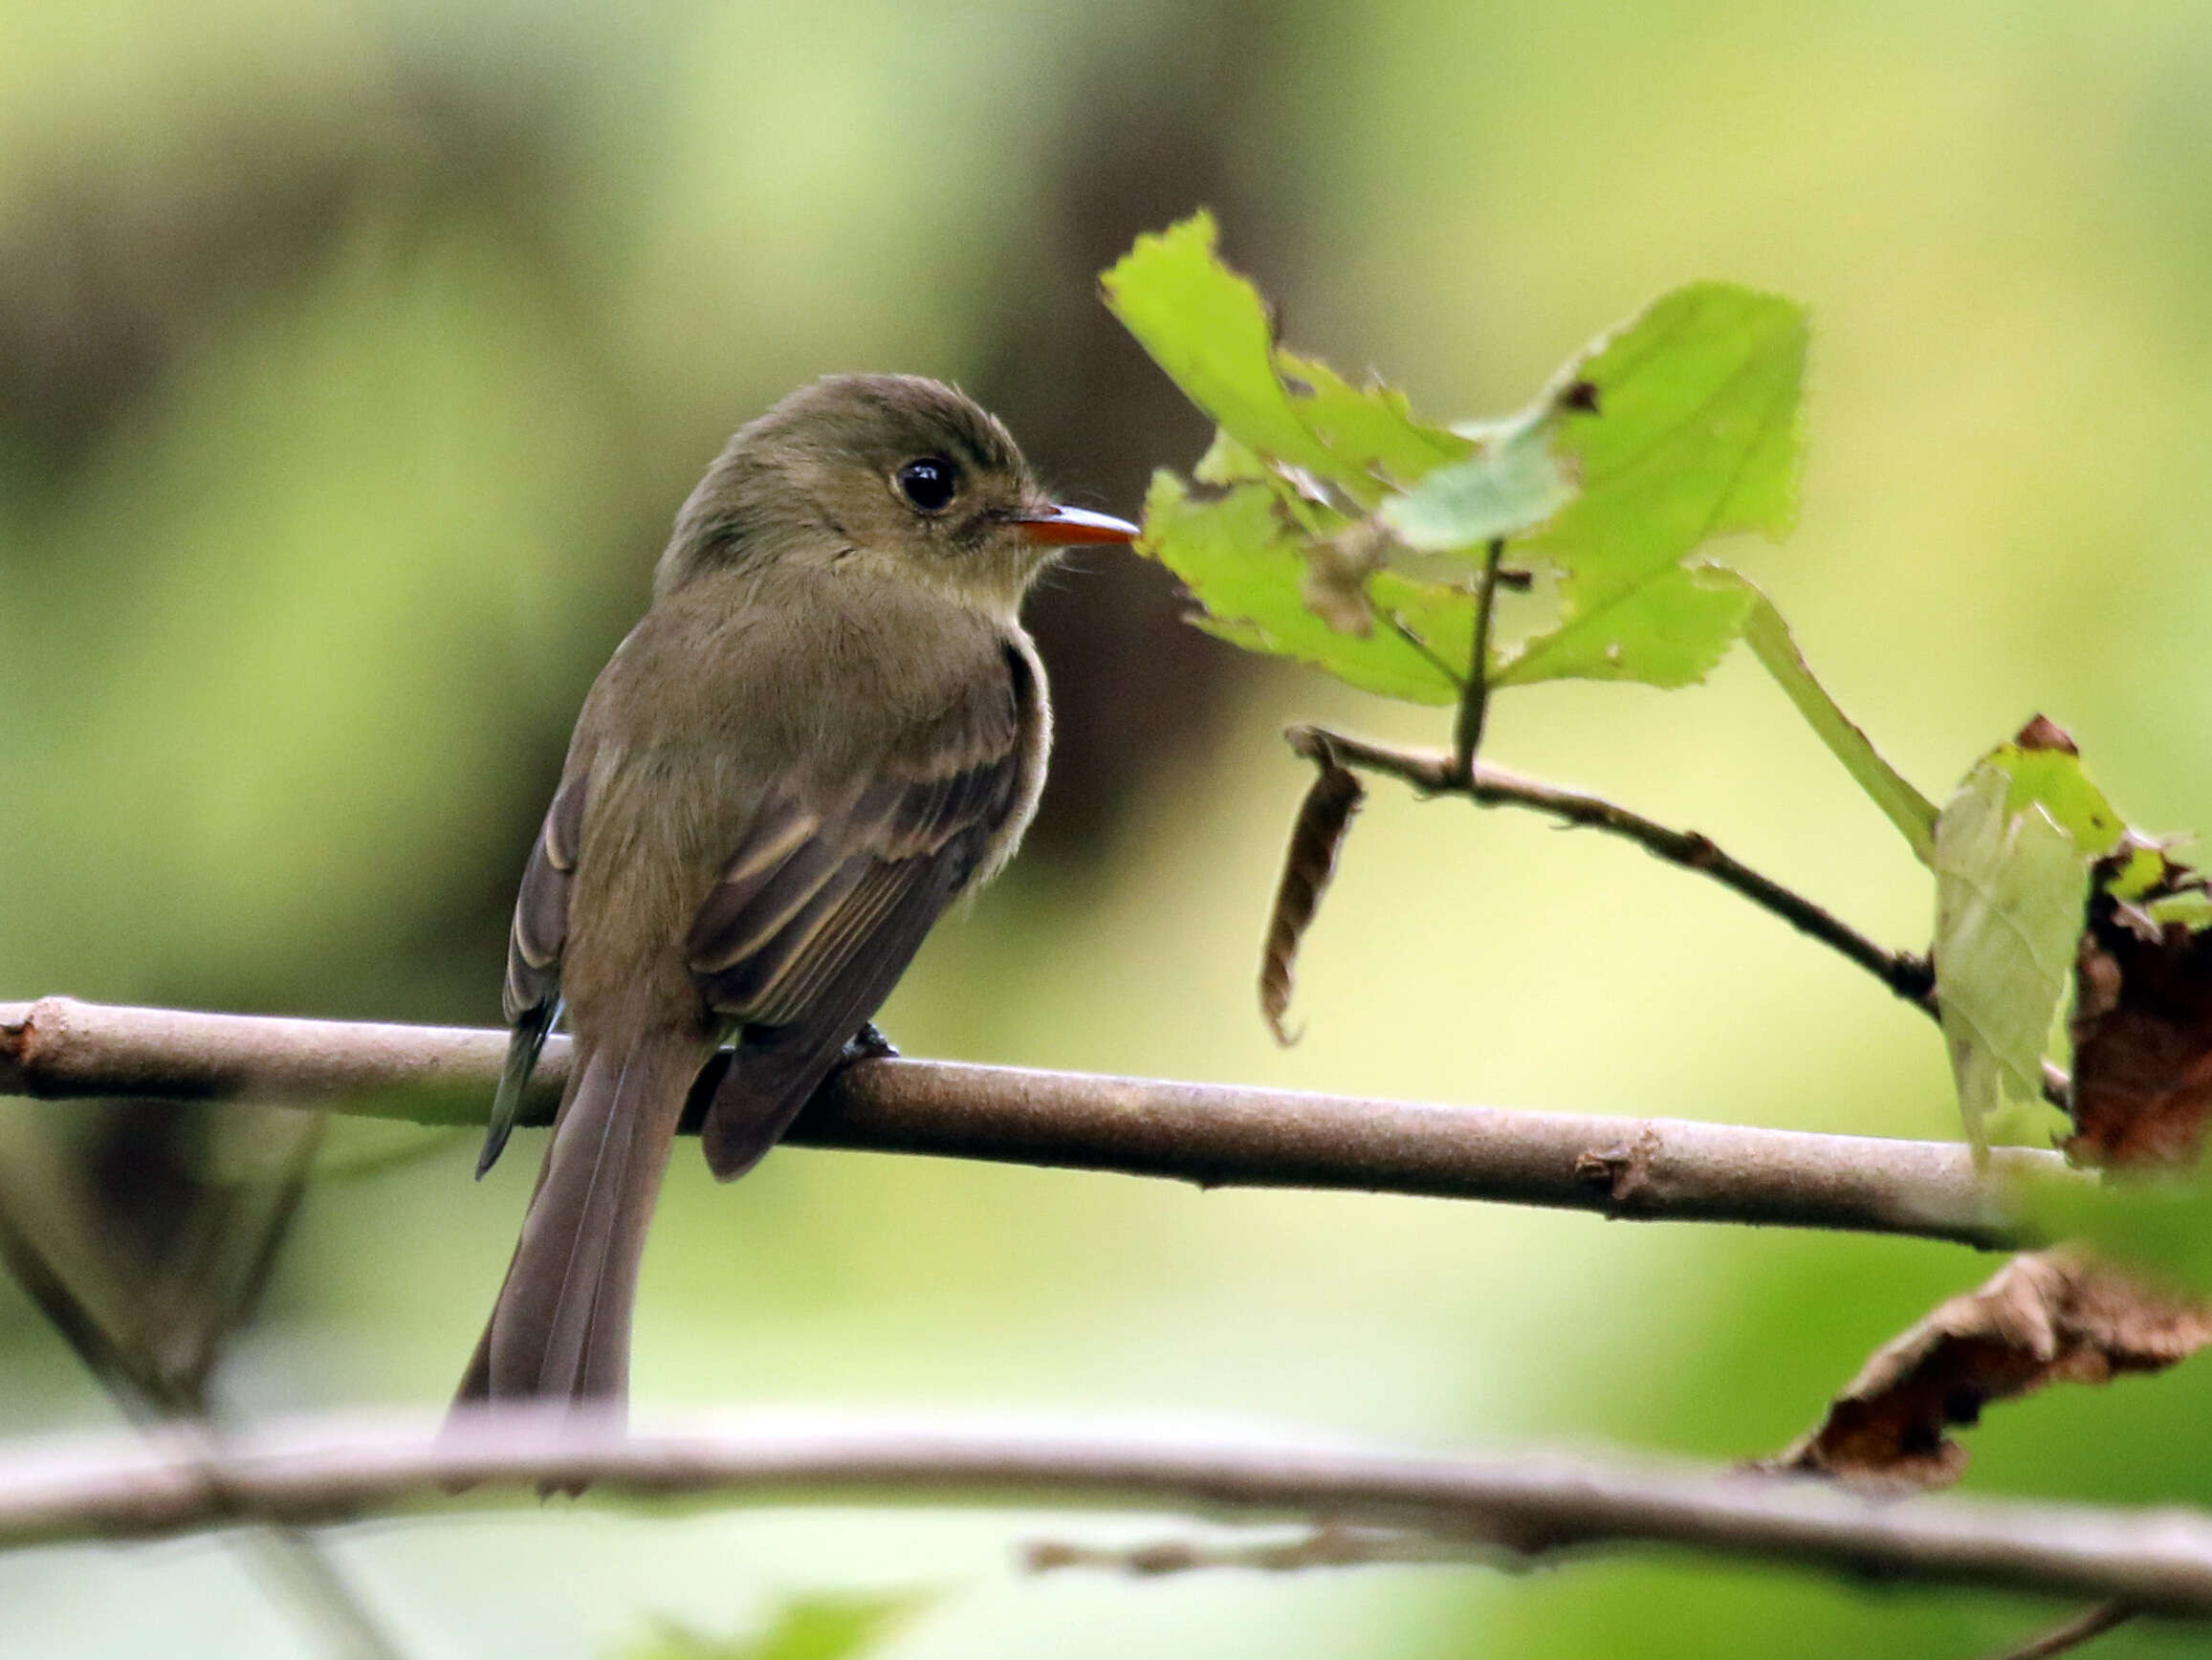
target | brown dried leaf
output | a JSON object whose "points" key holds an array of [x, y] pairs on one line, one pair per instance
{"points": [[2042, 732], [2143, 1033], [2049, 1317], [1319, 831], [1337, 569]]}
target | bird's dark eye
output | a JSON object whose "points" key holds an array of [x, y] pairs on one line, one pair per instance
{"points": [[930, 482]]}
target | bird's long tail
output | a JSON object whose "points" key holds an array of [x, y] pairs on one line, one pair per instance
{"points": [[560, 1331]]}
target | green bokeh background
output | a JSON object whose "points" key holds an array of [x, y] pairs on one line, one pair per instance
{"points": [[292, 629]]}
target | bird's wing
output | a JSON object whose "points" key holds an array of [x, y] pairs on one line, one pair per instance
{"points": [[819, 911], [532, 999]]}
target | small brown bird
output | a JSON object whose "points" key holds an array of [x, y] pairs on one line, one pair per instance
{"points": [[828, 725]]}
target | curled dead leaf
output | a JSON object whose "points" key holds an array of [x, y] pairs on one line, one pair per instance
{"points": [[1323, 818], [2142, 1030], [2049, 1317]]}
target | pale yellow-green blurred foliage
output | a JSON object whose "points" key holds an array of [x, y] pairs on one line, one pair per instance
{"points": [[278, 656]]}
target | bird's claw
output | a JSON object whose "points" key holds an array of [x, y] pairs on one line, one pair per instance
{"points": [[867, 1044]]}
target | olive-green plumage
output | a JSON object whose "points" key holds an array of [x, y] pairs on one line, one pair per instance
{"points": [[829, 724]]}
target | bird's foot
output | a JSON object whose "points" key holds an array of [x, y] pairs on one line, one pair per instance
{"points": [[866, 1044]]}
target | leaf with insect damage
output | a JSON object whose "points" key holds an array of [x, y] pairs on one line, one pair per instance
{"points": [[1246, 559], [1316, 837], [1282, 554], [1669, 631], [1686, 425], [2143, 1015], [2052, 1317], [1679, 426], [1209, 328], [2039, 878]]}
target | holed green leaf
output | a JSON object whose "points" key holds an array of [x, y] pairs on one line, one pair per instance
{"points": [[2039, 879], [1685, 425], [2045, 768], [1680, 425], [1668, 631], [1210, 330], [1243, 558]]}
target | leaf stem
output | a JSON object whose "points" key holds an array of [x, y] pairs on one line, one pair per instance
{"points": [[1474, 693], [1905, 973]]}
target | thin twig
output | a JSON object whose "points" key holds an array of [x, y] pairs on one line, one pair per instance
{"points": [[29, 1266], [2072, 1634], [1907, 974], [236, 1310], [1474, 689], [1330, 1545], [1212, 1134], [2159, 1559]]}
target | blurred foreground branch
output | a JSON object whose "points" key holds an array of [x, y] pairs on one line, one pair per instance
{"points": [[1212, 1134], [180, 1407], [1516, 1507]]}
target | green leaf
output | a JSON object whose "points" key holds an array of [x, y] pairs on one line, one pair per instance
{"points": [[2016, 852], [1229, 461], [1210, 330], [1246, 565], [1369, 430], [1679, 425], [1277, 566], [2054, 778], [2192, 908], [1516, 478], [814, 1628], [1696, 432], [1682, 426], [1668, 631], [1910, 811], [2045, 768], [2157, 1222], [2011, 891]]}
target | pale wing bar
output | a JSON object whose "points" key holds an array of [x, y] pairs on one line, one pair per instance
{"points": [[802, 940]]}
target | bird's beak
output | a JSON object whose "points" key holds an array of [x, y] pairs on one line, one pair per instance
{"points": [[1061, 527]]}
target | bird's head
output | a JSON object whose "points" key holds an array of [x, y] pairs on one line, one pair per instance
{"points": [[883, 473]]}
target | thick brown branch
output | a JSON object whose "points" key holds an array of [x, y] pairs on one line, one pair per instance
{"points": [[1434, 773], [2156, 1559], [1215, 1135]]}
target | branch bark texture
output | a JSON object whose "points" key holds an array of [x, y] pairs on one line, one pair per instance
{"points": [[2156, 1561], [1640, 1168]]}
